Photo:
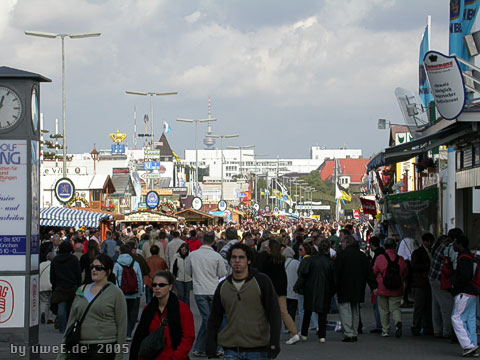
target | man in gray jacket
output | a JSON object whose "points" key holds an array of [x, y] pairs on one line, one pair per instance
{"points": [[172, 248], [206, 267]]}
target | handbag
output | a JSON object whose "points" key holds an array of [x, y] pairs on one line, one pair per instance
{"points": [[72, 335], [154, 343]]}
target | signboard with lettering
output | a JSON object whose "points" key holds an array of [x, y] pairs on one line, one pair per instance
{"points": [[152, 199], [447, 84], [151, 165], [12, 293], [35, 220], [13, 204], [151, 154]]}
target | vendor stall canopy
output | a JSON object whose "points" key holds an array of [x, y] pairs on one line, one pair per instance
{"points": [[65, 217]]}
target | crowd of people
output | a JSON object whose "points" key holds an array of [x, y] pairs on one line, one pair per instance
{"points": [[247, 280]]}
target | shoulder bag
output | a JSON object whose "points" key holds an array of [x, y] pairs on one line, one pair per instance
{"points": [[72, 335], [153, 344]]}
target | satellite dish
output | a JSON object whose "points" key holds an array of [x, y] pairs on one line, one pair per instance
{"points": [[413, 111]]}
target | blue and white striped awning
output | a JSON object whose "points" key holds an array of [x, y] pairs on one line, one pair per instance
{"points": [[64, 217]]}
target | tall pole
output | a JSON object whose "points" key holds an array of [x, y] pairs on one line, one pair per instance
{"points": [[196, 159], [221, 162], [337, 215], [152, 137], [64, 100]]}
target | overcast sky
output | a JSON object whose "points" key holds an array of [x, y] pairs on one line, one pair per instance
{"points": [[285, 75]]}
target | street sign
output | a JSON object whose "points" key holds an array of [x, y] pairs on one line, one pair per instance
{"points": [[267, 209], [150, 176], [222, 205], [197, 203], [151, 154], [64, 190], [152, 199], [151, 165]]}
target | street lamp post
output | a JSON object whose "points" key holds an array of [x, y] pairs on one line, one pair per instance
{"points": [[151, 93], [221, 137], [255, 169], [196, 121], [63, 36]]}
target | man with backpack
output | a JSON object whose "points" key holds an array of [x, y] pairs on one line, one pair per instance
{"points": [[129, 279], [391, 271], [465, 289]]}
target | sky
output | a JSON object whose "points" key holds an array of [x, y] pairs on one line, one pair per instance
{"points": [[285, 75]]}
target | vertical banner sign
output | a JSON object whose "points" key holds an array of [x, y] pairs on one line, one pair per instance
{"points": [[446, 81], [35, 224], [12, 295], [423, 86], [462, 18], [13, 204]]}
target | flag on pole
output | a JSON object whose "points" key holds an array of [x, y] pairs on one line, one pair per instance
{"points": [[423, 85], [462, 18], [341, 193], [166, 127]]}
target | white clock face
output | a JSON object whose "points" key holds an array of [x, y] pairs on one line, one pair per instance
{"points": [[34, 104], [10, 108]]}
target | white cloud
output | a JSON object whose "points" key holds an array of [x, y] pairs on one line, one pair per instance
{"points": [[193, 17]]}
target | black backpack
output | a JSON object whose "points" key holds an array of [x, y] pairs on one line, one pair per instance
{"points": [[392, 279]]}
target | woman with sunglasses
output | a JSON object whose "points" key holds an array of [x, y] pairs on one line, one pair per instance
{"points": [[103, 330], [179, 328]]}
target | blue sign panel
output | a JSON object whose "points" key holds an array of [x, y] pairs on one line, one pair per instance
{"points": [[151, 165], [64, 190], [152, 199], [13, 245], [118, 149]]}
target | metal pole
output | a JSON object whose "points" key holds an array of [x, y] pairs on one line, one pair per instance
{"points": [[240, 161], [64, 100], [196, 158], [152, 138], [221, 162]]}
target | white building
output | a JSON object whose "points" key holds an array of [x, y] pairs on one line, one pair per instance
{"points": [[321, 153]]}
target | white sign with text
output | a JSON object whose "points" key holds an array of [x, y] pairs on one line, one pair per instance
{"points": [[446, 81]]}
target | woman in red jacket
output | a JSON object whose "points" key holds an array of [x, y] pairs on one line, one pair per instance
{"points": [[179, 330]]}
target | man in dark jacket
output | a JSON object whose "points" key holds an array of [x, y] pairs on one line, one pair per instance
{"points": [[465, 299], [249, 303], [65, 277], [420, 266], [352, 272]]}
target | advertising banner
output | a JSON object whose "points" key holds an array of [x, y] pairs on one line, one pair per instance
{"points": [[446, 82], [368, 206], [13, 204], [12, 297]]}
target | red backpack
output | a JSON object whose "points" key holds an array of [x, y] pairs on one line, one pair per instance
{"points": [[447, 274], [129, 284]]}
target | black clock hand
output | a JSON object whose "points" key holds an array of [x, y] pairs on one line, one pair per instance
{"points": [[1, 101]]}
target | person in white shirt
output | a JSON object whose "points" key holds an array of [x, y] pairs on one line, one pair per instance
{"points": [[172, 248], [206, 267]]}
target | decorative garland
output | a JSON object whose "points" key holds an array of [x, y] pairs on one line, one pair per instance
{"points": [[169, 204], [78, 198]]}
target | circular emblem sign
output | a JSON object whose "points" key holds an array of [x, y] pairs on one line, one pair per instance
{"points": [[256, 207], [267, 209], [6, 301], [64, 190], [152, 199], [222, 205], [197, 203]]}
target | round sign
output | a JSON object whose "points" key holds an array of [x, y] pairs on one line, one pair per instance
{"points": [[267, 208], [152, 199], [64, 190], [197, 203], [227, 213], [256, 207], [276, 210], [290, 211], [222, 205]]}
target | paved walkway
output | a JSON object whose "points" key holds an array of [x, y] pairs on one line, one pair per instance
{"points": [[368, 347]]}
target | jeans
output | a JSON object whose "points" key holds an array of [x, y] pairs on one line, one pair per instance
{"points": [[204, 305], [132, 314], [314, 321], [442, 304], [63, 313], [45, 304], [464, 320], [233, 355], [422, 311], [376, 314], [183, 291]]}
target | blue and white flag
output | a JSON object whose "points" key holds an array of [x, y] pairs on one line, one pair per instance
{"points": [[166, 127], [423, 85], [462, 18]]}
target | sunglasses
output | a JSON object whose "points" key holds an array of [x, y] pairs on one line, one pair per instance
{"points": [[97, 267], [160, 285]]}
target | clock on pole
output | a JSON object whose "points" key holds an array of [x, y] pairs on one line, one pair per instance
{"points": [[19, 206]]}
